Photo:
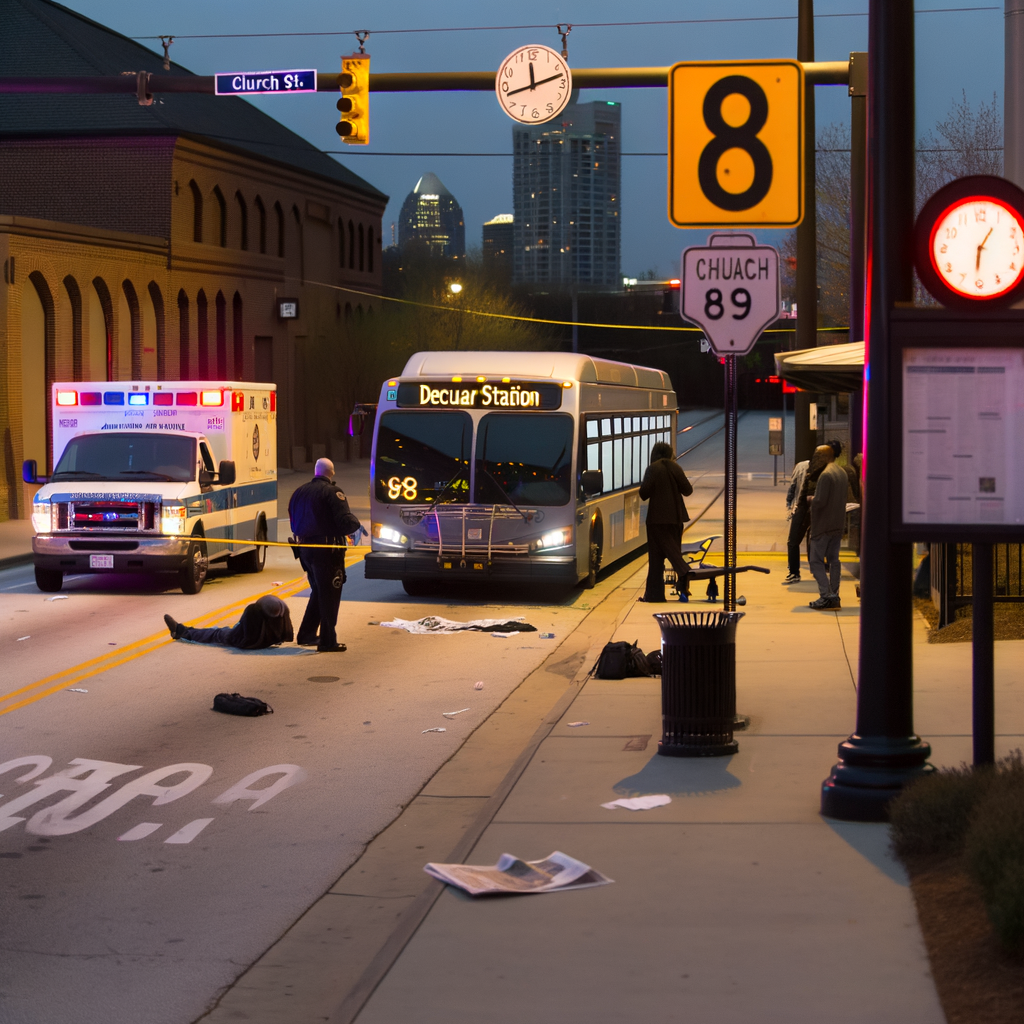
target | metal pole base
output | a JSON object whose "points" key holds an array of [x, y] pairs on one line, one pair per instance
{"points": [[870, 773], [684, 750]]}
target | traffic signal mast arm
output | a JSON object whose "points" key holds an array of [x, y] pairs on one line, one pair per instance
{"points": [[836, 72]]}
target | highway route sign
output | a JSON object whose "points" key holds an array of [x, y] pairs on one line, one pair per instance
{"points": [[736, 144], [264, 83], [730, 288]]}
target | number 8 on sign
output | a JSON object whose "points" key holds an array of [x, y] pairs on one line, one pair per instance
{"points": [[736, 144]]}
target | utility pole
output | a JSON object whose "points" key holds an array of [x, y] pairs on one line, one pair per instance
{"points": [[858, 171], [883, 754], [806, 242], [1013, 93]]}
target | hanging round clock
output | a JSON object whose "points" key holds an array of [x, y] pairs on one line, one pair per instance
{"points": [[969, 243], [533, 84]]}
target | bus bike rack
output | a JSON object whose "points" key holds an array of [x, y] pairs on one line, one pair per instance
{"points": [[462, 514]]}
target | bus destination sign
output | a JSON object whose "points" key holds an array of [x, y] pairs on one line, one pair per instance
{"points": [[479, 395], [255, 83]]}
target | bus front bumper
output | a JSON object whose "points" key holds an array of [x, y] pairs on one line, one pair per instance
{"points": [[417, 565]]}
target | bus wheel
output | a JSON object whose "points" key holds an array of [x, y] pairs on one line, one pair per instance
{"points": [[49, 580], [419, 588], [590, 580], [192, 575]]}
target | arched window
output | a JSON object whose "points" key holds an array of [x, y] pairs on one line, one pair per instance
{"points": [[243, 217], [184, 355], [222, 337], [351, 246], [279, 217], [135, 321], [362, 248], [369, 249], [101, 329], [203, 335], [262, 214], [341, 244], [38, 351], [161, 336], [300, 243], [348, 312], [237, 338], [222, 208], [197, 211], [75, 301]]}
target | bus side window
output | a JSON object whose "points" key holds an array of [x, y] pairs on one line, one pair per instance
{"points": [[592, 429], [593, 456]]}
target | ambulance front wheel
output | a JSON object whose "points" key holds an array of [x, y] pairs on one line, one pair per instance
{"points": [[49, 581], [192, 575]]}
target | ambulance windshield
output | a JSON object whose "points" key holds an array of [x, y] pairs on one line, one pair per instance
{"points": [[124, 456]]}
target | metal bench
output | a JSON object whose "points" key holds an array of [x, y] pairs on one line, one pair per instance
{"points": [[695, 553]]}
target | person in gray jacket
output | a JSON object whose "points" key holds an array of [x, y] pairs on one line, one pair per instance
{"points": [[828, 518]]}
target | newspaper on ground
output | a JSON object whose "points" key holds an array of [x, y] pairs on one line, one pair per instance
{"points": [[640, 803], [435, 624], [513, 875]]}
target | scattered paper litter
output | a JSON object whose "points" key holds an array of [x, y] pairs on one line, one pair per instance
{"points": [[76, 689], [436, 729], [547, 636], [20, 638], [504, 636], [479, 685], [58, 597], [435, 624], [640, 803], [576, 725], [277, 583], [452, 714], [513, 875]]}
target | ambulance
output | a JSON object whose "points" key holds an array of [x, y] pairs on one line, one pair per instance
{"points": [[156, 477]]}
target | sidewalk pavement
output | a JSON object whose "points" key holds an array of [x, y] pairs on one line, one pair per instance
{"points": [[736, 903]]}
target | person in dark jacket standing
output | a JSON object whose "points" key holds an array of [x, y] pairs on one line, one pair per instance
{"points": [[264, 623], [319, 514], [665, 485], [828, 519]]}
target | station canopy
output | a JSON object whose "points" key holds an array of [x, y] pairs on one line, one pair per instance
{"points": [[829, 368]]}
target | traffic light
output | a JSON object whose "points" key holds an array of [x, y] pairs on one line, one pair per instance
{"points": [[354, 81]]}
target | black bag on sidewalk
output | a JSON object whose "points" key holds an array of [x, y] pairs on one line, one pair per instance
{"points": [[621, 660], [236, 704], [654, 662]]}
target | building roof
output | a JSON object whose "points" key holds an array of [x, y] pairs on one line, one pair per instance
{"points": [[827, 368], [46, 39], [430, 184]]}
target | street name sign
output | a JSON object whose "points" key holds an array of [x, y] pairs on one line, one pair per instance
{"points": [[736, 144], [730, 289], [265, 83]]}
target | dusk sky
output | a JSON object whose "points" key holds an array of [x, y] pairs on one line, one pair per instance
{"points": [[956, 52]]}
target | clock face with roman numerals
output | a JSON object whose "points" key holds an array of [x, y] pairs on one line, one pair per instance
{"points": [[970, 243], [533, 84]]}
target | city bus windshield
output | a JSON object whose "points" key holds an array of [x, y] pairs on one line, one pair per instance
{"points": [[524, 458], [423, 457], [124, 456]]}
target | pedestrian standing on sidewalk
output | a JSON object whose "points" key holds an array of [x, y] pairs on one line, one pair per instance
{"points": [[264, 623], [665, 485], [828, 518], [798, 516], [320, 516]]}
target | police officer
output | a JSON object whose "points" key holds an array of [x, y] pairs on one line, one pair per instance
{"points": [[319, 514]]}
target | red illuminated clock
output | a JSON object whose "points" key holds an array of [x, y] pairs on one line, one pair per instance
{"points": [[969, 243]]}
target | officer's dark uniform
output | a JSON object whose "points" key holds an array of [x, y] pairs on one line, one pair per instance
{"points": [[319, 514]]}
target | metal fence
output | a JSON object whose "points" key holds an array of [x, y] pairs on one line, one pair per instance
{"points": [[951, 576]]}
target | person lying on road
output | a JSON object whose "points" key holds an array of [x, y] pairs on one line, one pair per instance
{"points": [[264, 623]]}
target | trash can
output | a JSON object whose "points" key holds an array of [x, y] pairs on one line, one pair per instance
{"points": [[698, 683]]}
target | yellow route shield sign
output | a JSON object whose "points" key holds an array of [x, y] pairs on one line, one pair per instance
{"points": [[736, 144]]}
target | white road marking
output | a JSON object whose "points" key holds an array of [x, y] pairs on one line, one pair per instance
{"points": [[189, 832], [290, 774], [139, 832]]}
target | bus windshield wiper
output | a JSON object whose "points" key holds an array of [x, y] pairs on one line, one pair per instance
{"points": [[504, 494], [61, 474]]}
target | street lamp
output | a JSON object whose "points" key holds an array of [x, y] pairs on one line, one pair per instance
{"points": [[455, 287]]}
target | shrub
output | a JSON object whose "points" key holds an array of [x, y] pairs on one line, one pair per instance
{"points": [[933, 814]]}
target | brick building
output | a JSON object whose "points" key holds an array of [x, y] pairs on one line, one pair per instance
{"points": [[157, 241]]}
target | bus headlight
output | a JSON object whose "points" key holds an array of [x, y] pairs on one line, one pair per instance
{"points": [[42, 521], [553, 539], [172, 520], [388, 534]]}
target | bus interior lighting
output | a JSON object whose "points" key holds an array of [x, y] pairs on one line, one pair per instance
{"points": [[67, 398], [211, 398]]}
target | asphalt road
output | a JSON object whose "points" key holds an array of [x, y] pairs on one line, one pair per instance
{"points": [[152, 849]]}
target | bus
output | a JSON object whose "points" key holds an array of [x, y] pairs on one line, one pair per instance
{"points": [[513, 466]]}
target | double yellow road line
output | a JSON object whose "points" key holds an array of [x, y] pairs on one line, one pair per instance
{"points": [[72, 676]]}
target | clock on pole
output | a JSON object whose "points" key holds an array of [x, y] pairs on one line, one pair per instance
{"points": [[969, 243], [533, 84]]}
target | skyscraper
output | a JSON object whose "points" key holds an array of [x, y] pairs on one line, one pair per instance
{"points": [[498, 241], [432, 215], [566, 185]]}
